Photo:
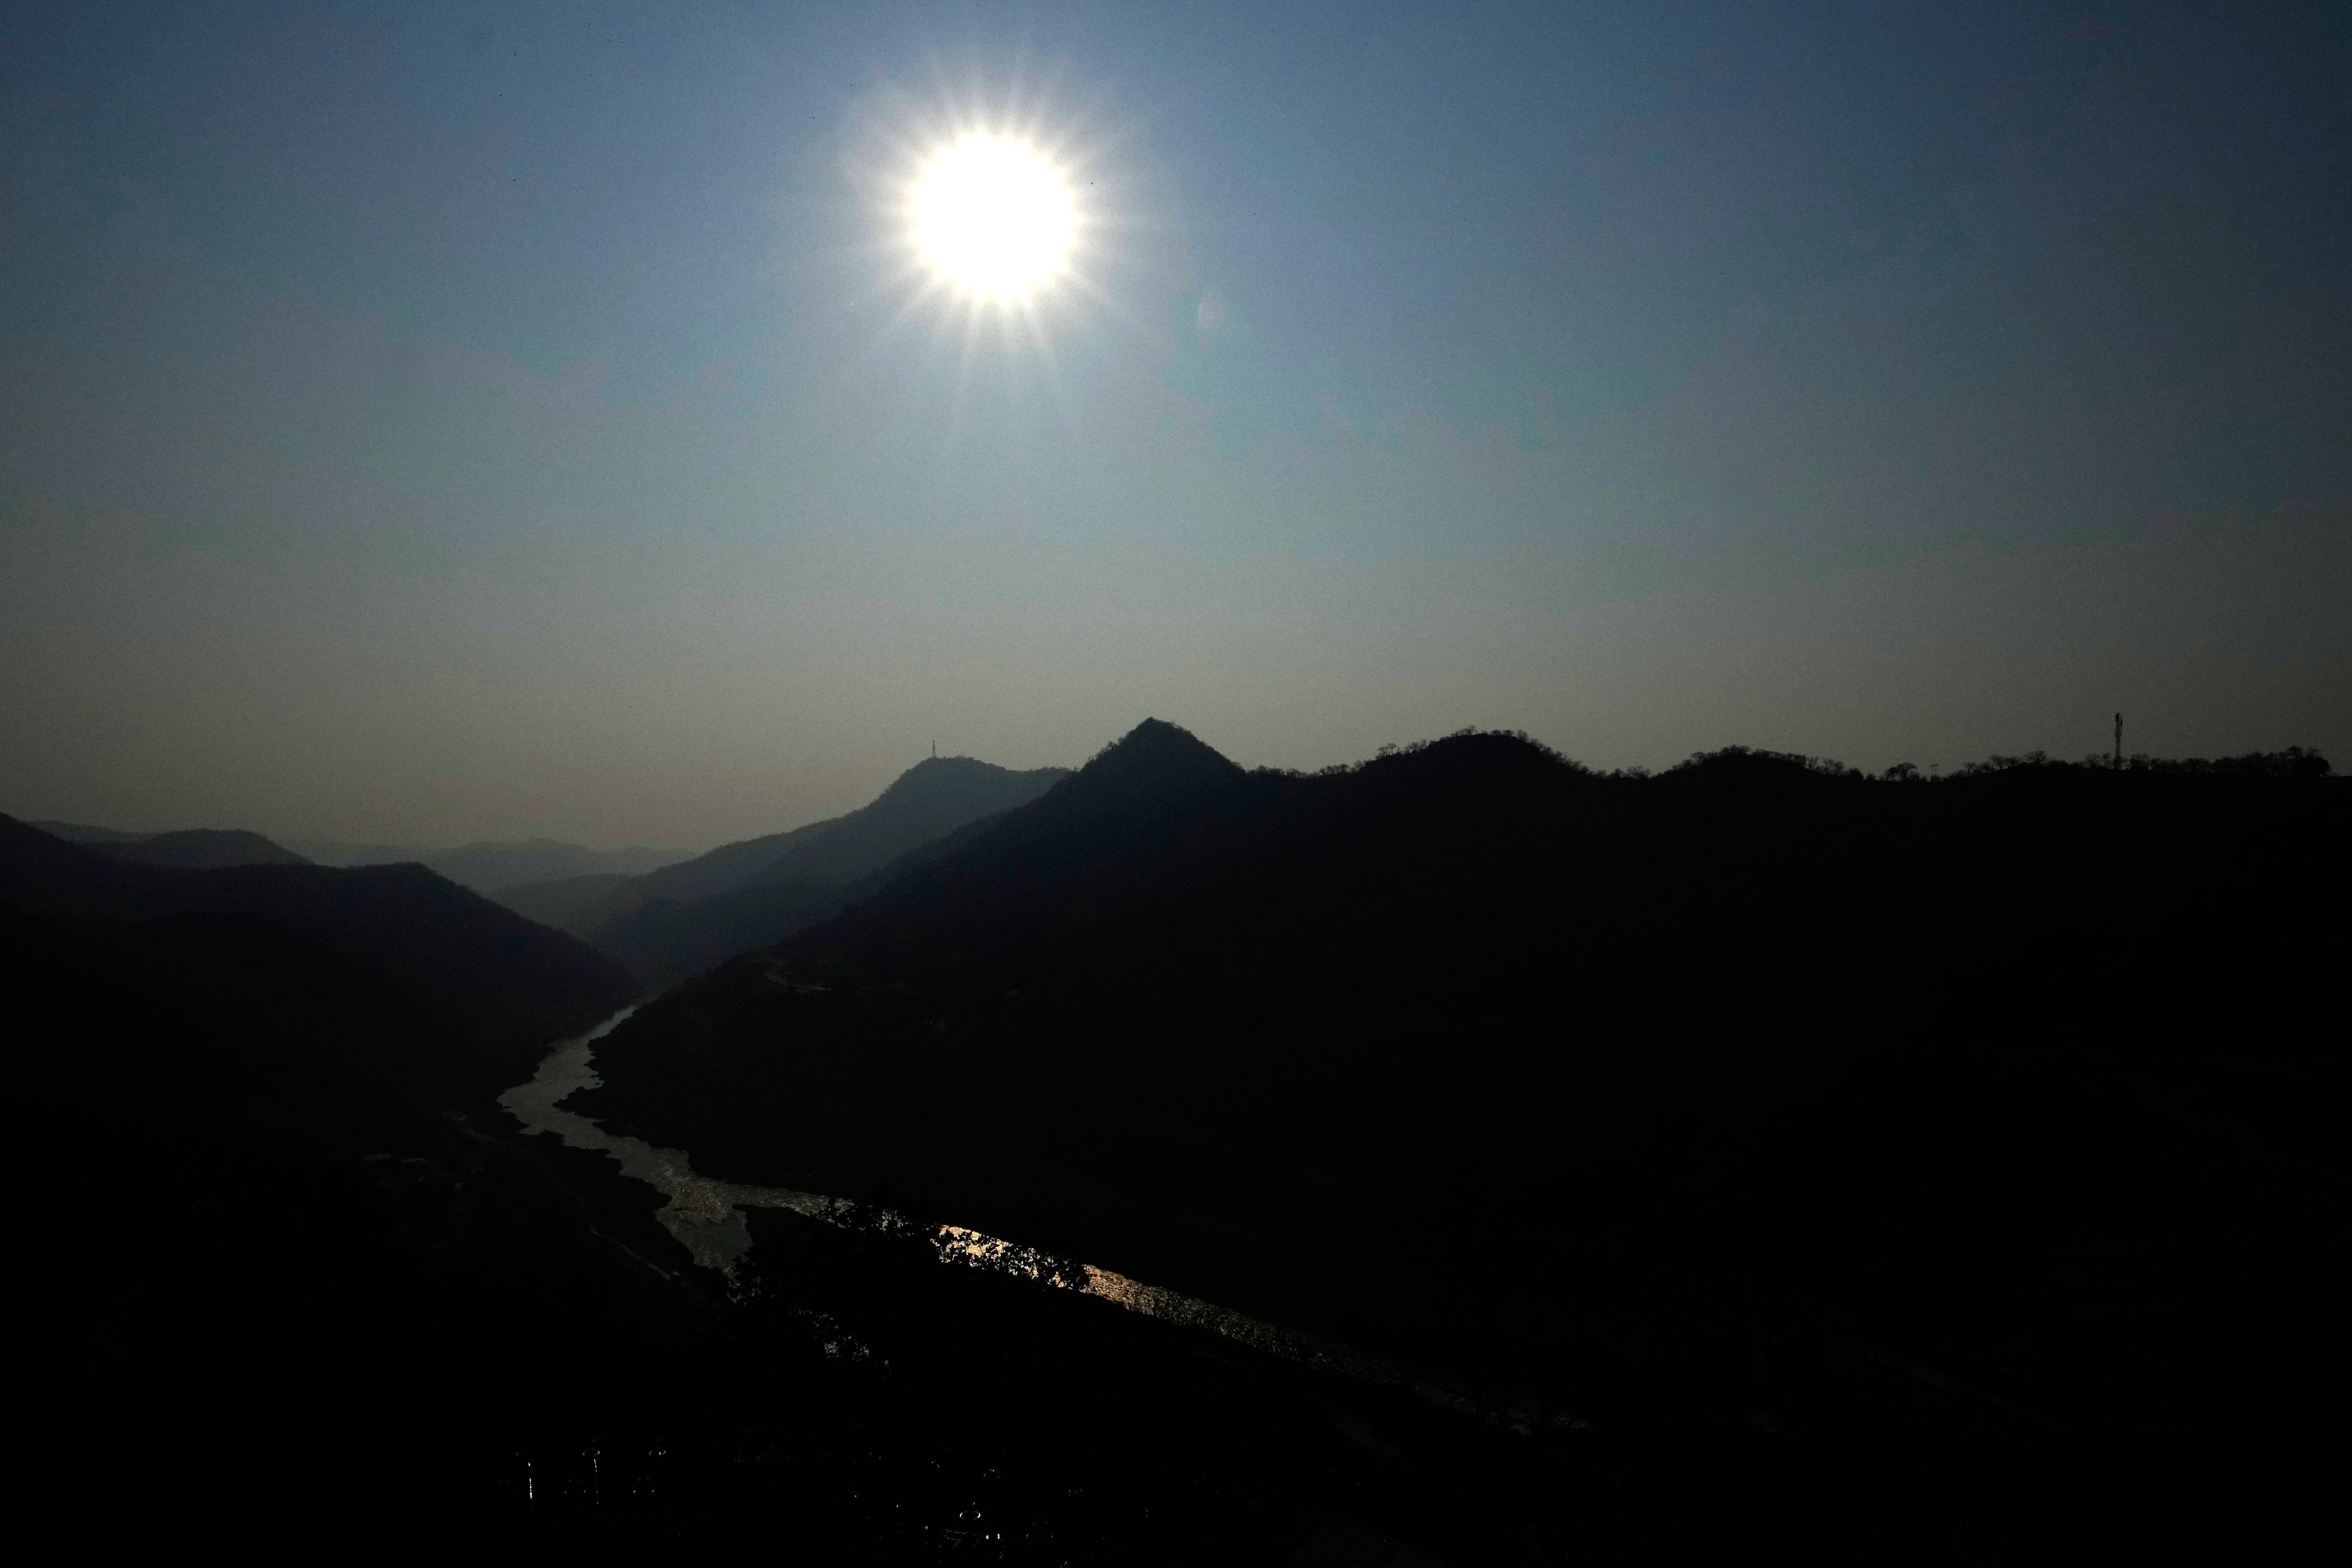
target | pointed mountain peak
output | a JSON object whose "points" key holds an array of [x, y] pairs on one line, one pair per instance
{"points": [[1157, 753]]}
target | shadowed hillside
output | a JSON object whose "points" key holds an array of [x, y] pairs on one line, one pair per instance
{"points": [[672, 922]]}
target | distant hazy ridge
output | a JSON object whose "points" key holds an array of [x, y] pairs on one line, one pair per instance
{"points": [[486, 868], [674, 921]]}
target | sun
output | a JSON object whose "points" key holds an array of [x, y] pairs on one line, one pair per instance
{"points": [[992, 218]]}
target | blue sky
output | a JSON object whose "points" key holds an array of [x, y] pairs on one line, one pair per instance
{"points": [[441, 421]]}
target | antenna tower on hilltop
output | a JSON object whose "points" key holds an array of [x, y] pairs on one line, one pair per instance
{"points": [[2119, 740]]}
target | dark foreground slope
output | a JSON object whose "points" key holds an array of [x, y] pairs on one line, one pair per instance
{"points": [[673, 922], [267, 1259], [265, 1303], [1748, 1093]]}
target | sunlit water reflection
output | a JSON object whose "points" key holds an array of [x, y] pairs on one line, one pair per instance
{"points": [[706, 1215]]}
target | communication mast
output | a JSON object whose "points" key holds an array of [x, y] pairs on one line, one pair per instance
{"points": [[2119, 742]]}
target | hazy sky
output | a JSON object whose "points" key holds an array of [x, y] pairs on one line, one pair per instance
{"points": [[440, 422]]}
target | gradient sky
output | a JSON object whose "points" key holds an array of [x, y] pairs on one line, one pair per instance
{"points": [[431, 423]]}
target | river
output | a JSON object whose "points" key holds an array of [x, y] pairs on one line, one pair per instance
{"points": [[706, 1215]]}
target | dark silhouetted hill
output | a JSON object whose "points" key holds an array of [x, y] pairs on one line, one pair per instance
{"points": [[676, 921], [1614, 1086], [428, 988]]}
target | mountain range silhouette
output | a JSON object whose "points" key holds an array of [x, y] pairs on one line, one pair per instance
{"points": [[1353, 1049], [1755, 1132]]}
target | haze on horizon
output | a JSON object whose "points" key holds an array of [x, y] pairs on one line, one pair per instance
{"points": [[485, 421]]}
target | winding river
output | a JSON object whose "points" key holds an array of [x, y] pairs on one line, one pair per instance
{"points": [[706, 1215]]}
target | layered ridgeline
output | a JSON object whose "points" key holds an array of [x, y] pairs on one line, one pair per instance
{"points": [[494, 867], [1582, 1083], [672, 922], [198, 848], [433, 993], [489, 866]]}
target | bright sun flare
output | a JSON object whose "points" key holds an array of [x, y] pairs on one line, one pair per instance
{"points": [[993, 218]]}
